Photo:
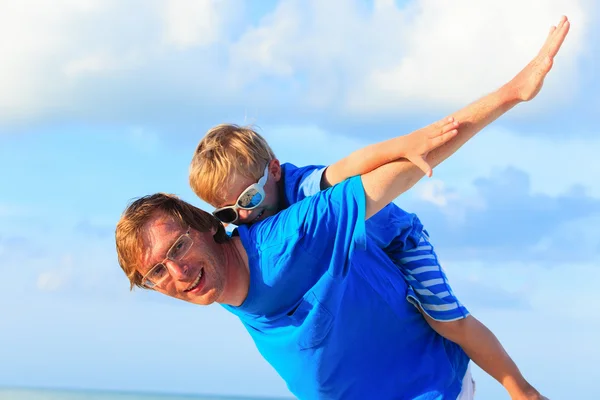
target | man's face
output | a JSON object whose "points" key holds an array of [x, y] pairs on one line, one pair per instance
{"points": [[269, 206], [199, 276]]}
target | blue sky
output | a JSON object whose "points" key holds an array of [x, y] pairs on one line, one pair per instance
{"points": [[104, 101]]}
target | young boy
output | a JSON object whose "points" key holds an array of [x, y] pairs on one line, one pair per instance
{"points": [[235, 170]]}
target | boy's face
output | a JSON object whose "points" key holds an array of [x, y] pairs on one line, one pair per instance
{"points": [[270, 204]]}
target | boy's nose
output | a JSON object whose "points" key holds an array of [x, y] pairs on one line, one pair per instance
{"points": [[244, 214]]}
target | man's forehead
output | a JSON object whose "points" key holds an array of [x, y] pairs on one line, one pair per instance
{"points": [[158, 235]]}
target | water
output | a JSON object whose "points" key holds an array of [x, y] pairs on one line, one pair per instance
{"points": [[53, 394]]}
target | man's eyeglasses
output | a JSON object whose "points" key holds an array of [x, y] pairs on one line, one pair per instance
{"points": [[159, 273], [250, 198]]}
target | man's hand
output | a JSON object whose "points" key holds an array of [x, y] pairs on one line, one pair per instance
{"points": [[527, 84], [417, 144], [523, 391]]}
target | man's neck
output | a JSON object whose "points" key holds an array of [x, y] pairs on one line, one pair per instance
{"points": [[237, 273]]}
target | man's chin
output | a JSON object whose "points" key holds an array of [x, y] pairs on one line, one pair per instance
{"points": [[206, 299]]}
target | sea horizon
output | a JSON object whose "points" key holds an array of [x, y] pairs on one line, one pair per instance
{"points": [[65, 393]]}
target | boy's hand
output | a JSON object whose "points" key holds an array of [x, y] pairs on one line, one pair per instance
{"points": [[419, 143]]}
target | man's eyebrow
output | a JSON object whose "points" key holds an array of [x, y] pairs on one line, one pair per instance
{"points": [[152, 263], [168, 245]]}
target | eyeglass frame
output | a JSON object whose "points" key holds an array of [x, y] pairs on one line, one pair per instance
{"points": [[156, 285], [260, 188]]}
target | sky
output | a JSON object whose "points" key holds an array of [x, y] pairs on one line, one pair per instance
{"points": [[104, 101]]}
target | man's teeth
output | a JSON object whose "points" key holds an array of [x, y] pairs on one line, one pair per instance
{"points": [[195, 282]]}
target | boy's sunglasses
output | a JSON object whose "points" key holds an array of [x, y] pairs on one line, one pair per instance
{"points": [[250, 198]]}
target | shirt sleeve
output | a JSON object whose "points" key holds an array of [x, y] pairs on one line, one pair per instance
{"points": [[311, 184], [391, 229], [394, 230], [302, 182]]}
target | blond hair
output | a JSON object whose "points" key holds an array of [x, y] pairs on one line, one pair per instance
{"points": [[128, 235], [227, 149]]}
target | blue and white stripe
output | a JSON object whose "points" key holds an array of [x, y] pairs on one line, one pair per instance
{"points": [[428, 286]]}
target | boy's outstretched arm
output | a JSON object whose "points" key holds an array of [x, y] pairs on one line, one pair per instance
{"points": [[473, 118], [388, 181]]}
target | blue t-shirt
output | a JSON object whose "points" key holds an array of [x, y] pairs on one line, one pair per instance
{"points": [[332, 324], [402, 238], [392, 228]]}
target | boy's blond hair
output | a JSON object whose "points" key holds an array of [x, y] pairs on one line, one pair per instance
{"points": [[225, 151]]}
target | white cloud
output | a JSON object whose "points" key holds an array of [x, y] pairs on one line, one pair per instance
{"points": [[504, 221], [429, 52], [57, 278], [33, 33], [97, 63], [306, 144], [453, 52], [554, 164], [51, 281], [487, 285], [336, 56], [144, 140], [299, 36], [190, 23], [434, 191], [12, 210], [49, 46]]}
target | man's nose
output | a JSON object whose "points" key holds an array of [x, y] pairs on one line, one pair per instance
{"points": [[176, 269]]}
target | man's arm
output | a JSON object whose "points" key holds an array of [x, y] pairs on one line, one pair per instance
{"points": [[485, 350], [387, 182]]}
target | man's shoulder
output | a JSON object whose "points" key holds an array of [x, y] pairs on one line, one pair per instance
{"points": [[322, 212], [279, 228]]}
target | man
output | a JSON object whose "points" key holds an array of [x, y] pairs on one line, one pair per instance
{"points": [[324, 307]]}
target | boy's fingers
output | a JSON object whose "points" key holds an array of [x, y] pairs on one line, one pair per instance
{"points": [[448, 127], [443, 138], [444, 122]]}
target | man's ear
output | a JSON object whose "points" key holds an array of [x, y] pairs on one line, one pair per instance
{"points": [[275, 169]]}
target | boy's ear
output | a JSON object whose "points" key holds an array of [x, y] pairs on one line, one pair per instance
{"points": [[275, 169]]}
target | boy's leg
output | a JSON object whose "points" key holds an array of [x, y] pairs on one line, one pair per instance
{"points": [[428, 286]]}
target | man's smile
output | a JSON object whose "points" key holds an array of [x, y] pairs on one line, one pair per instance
{"points": [[196, 282]]}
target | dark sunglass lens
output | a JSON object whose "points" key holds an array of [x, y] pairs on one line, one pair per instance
{"points": [[226, 216]]}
